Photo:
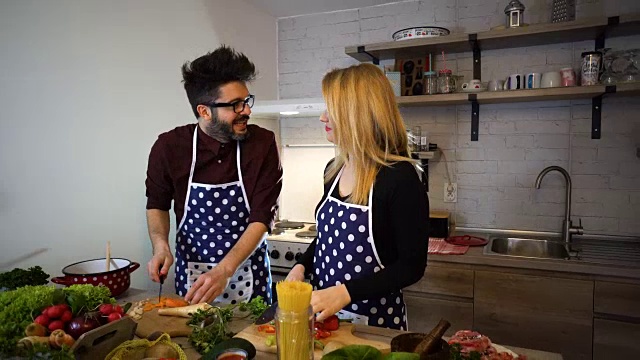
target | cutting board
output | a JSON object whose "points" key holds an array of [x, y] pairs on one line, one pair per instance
{"points": [[344, 335], [151, 322]]}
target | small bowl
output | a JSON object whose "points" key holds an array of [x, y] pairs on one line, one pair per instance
{"points": [[408, 342], [420, 32], [233, 354]]}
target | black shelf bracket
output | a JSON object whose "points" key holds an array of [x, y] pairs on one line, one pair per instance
{"points": [[475, 116], [596, 112], [612, 21], [424, 164], [374, 59], [477, 58]]}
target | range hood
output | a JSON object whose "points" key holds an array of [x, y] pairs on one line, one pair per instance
{"points": [[289, 107]]}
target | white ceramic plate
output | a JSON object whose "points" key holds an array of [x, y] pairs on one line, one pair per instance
{"points": [[420, 32]]}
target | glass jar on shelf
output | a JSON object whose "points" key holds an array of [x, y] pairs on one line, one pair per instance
{"points": [[430, 83], [446, 82]]}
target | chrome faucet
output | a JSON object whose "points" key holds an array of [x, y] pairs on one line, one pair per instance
{"points": [[567, 228]]}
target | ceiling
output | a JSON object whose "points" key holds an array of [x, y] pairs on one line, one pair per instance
{"points": [[286, 8]]}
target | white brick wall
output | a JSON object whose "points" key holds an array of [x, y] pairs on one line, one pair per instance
{"points": [[496, 174]]}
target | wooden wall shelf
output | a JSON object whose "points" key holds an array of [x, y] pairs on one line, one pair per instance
{"points": [[536, 34], [596, 29]]}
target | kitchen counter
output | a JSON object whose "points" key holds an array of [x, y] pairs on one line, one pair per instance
{"points": [[367, 332], [475, 258]]}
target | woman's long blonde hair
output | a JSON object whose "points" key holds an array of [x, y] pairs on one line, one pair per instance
{"points": [[368, 128]]}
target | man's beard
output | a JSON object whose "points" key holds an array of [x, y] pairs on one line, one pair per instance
{"points": [[223, 131]]}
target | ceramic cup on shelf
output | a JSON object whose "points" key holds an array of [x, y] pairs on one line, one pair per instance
{"points": [[495, 85], [550, 79], [473, 84], [532, 81], [568, 76], [514, 82]]}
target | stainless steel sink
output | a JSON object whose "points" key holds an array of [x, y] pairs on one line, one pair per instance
{"points": [[529, 248]]}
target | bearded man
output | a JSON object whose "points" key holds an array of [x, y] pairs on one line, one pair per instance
{"points": [[223, 176]]}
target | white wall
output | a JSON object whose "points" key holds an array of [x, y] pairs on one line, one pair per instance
{"points": [[85, 88], [496, 174]]}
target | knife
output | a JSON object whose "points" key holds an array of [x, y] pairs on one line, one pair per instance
{"points": [[268, 315], [161, 282]]}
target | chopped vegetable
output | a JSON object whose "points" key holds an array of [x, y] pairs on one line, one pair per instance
{"points": [[332, 323], [18, 278], [184, 311], [165, 302], [271, 340]]}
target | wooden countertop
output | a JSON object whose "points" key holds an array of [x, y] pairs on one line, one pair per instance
{"points": [[475, 258], [367, 332]]}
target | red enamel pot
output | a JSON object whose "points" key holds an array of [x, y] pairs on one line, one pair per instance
{"points": [[94, 272]]}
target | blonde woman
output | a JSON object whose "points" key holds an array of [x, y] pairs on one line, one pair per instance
{"points": [[372, 219]]}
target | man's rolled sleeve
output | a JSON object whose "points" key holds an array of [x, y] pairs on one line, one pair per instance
{"points": [[159, 186], [268, 185]]}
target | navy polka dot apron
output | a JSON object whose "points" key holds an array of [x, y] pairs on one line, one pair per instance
{"points": [[215, 216], [345, 250]]}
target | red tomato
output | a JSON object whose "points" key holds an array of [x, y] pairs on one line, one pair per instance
{"points": [[42, 320], [269, 329], [105, 309], [114, 316], [332, 323], [67, 316], [56, 325], [321, 334], [54, 312], [318, 325]]}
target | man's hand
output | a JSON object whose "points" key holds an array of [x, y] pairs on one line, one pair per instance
{"points": [[329, 301], [161, 261], [296, 274], [208, 286]]}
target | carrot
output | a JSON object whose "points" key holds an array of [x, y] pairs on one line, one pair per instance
{"points": [[164, 302], [183, 311]]}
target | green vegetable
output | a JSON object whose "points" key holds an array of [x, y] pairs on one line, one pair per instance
{"points": [[456, 354], [19, 307], [354, 352], [271, 340], [215, 322], [19, 277], [402, 356], [256, 307]]}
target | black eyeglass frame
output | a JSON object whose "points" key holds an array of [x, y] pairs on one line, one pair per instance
{"points": [[248, 101]]}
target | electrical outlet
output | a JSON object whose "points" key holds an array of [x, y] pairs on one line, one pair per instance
{"points": [[450, 192]]}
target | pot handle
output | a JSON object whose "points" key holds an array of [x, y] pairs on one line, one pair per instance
{"points": [[61, 280], [133, 266]]}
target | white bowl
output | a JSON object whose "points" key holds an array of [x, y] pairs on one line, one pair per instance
{"points": [[420, 32]]}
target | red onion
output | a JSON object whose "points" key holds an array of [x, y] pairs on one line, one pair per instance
{"points": [[82, 324]]}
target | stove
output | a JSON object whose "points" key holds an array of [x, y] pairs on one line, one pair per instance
{"points": [[286, 247]]}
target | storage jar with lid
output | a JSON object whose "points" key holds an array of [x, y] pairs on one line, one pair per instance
{"points": [[446, 82]]}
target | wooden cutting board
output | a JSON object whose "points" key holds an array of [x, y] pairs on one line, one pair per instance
{"points": [[344, 335], [151, 322]]}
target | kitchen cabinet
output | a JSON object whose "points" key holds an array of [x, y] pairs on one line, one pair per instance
{"points": [[616, 327], [443, 293], [552, 314], [615, 339]]}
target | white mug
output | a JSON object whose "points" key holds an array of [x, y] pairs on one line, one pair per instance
{"points": [[514, 82], [551, 79], [532, 81], [473, 84], [495, 85]]}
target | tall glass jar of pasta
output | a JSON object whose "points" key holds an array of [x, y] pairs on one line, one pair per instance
{"points": [[294, 334]]}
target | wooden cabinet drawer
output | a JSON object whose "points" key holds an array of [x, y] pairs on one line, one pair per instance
{"points": [[445, 281], [617, 299], [615, 340], [535, 312], [424, 313]]}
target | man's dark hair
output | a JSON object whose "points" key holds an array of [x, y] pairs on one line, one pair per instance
{"points": [[204, 76]]}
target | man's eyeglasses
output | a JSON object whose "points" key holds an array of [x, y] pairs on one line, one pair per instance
{"points": [[238, 106]]}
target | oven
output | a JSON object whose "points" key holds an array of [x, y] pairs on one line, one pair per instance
{"points": [[286, 244]]}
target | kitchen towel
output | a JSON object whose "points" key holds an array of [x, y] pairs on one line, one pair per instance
{"points": [[441, 247]]}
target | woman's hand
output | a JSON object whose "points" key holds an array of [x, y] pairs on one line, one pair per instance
{"points": [[329, 301], [296, 273]]}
